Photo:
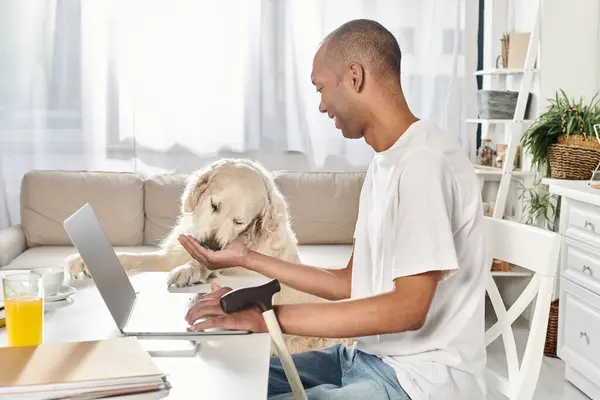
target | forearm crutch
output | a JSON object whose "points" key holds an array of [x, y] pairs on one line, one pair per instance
{"points": [[262, 297]]}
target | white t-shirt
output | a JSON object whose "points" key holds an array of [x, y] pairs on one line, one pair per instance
{"points": [[420, 210]]}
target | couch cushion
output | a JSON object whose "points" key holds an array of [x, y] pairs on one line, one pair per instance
{"points": [[323, 205], [12, 243], [162, 202], [49, 197], [52, 256]]}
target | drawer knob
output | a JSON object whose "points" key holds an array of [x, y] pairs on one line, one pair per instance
{"points": [[588, 224], [582, 334], [586, 268]]}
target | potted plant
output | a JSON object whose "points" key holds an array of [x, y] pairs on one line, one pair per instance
{"points": [[542, 209], [562, 140]]}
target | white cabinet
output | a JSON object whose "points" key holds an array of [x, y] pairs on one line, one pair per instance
{"points": [[579, 284]]}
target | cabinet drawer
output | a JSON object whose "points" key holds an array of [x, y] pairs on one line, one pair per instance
{"points": [[581, 263], [579, 325], [583, 222]]}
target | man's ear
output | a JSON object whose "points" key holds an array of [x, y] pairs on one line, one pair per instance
{"points": [[357, 76]]}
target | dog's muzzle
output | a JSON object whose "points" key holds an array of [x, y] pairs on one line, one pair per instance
{"points": [[211, 243]]}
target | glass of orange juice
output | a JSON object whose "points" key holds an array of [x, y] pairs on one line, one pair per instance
{"points": [[24, 308]]}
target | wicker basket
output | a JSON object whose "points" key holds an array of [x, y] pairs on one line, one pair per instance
{"points": [[552, 332], [570, 162], [579, 141], [574, 156]]}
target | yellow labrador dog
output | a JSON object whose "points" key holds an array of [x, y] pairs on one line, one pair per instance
{"points": [[230, 198]]}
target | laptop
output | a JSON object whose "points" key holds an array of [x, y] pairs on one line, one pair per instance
{"points": [[156, 313]]}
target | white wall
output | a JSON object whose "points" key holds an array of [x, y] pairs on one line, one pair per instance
{"points": [[569, 54], [570, 48]]}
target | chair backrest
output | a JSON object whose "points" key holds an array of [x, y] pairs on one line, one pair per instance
{"points": [[538, 251]]}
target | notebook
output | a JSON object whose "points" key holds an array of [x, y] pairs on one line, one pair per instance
{"points": [[57, 370]]}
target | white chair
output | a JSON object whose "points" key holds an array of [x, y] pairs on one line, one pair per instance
{"points": [[537, 250]]}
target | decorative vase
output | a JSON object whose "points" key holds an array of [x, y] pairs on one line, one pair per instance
{"points": [[485, 153], [505, 43]]}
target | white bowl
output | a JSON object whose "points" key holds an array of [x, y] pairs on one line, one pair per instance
{"points": [[53, 279]]}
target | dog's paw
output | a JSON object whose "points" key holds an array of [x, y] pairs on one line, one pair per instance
{"points": [[76, 266], [188, 275]]}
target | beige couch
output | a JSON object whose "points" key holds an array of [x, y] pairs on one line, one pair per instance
{"points": [[136, 212]]}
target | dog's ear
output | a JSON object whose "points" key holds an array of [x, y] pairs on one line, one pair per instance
{"points": [[273, 215], [252, 233], [266, 224], [196, 185], [275, 211]]}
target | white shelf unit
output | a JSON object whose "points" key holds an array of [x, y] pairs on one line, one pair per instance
{"points": [[503, 71], [491, 171], [518, 123], [500, 78], [497, 121]]}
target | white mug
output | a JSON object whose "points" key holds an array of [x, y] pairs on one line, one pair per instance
{"points": [[53, 279]]}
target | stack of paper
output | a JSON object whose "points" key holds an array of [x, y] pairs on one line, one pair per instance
{"points": [[78, 370]]}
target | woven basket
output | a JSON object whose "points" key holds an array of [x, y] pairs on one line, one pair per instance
{"points": [[579, 141], [552, 332], [570, 162], [575, 156]]}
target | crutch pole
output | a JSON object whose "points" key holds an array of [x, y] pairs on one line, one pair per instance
{"points": [[262, 297]]}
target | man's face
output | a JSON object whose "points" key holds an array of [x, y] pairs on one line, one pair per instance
{"points": [[338, 99]]}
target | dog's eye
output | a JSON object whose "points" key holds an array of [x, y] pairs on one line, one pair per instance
{"points": [[238, 222], [215, 207]]}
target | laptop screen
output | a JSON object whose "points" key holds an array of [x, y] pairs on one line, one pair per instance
{"points": [[104, 266]]}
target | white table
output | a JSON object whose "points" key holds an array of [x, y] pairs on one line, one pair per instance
{"points": [[231, 367]]}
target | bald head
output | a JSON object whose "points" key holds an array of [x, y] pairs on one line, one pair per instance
{"points": [[366, 42]]}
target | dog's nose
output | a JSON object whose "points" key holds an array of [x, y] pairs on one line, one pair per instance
{"points": [[212, 243]]}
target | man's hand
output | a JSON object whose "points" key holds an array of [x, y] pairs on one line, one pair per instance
{"points": [[331, 284], [233, 255], [209, 310]]}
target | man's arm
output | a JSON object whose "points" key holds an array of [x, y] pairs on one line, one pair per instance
{"points": [[403, 309], [330, 284]]}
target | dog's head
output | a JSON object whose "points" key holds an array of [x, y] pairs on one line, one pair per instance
{"points": [[232, 198]]}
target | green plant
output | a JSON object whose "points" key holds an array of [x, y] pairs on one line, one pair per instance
{"points": [[579, 118], [505, 36], [538, 205]]}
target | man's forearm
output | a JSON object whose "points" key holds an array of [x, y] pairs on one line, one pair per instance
{"points": [[330, 284], [363, 317]]}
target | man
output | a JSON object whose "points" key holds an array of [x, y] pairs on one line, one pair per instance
{"points": [[413, 291]]}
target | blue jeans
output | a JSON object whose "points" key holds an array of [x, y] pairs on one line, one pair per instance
{"points": [[337, 372]]}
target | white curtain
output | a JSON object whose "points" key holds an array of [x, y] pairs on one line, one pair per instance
{"points": [[166, 86]]}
